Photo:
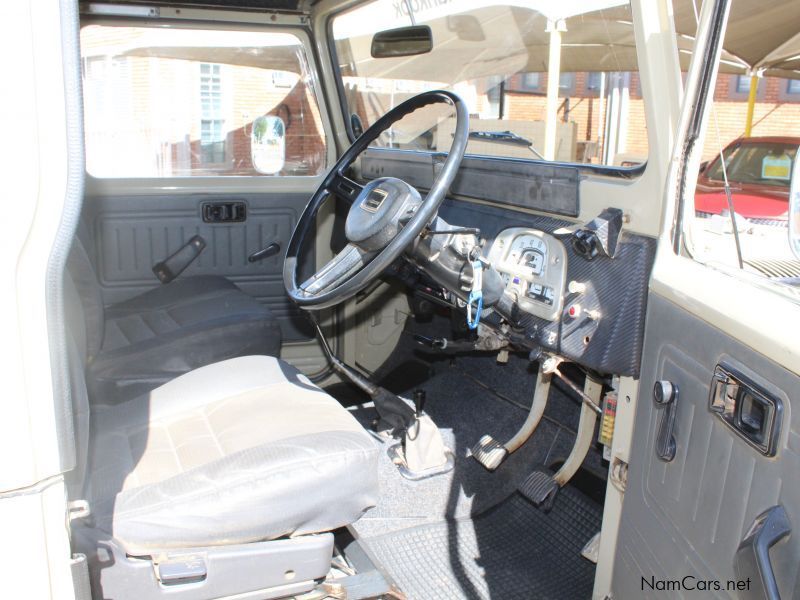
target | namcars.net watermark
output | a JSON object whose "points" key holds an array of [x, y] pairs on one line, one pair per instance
{"points": [[690, 583]]}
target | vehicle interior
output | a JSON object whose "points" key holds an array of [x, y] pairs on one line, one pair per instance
{"points": [[356, 302]]}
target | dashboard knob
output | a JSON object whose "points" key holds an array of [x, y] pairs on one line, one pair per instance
{"points": [[576, 287]]}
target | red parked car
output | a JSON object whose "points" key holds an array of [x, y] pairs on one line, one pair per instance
{"points": [[759, 170]]}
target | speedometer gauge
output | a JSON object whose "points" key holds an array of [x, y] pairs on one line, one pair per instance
{"points": [[533, 265], [529, 251], [533, 259]]}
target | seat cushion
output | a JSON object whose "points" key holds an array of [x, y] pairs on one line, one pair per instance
{"points": [[174, 328], [238, 451]]}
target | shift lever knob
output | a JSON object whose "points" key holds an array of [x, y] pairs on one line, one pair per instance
{"points": [[419, 401]]}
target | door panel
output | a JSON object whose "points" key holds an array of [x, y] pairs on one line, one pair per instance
{"points": [[688, 516], [132, 233]]}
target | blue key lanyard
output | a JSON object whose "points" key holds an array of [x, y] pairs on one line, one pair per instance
{"points": [[475, 297]]}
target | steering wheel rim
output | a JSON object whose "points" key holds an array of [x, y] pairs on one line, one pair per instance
{"points": [[336, 182]]}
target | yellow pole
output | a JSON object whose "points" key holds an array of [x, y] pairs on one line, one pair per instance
{"points": [[751, 104]]}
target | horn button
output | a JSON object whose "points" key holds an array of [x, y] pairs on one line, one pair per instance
{"points": [[382, 208]]}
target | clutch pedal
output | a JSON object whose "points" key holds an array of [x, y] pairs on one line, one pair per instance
{"points": [[489, 452]]}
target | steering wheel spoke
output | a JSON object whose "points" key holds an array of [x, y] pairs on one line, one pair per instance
{"points": [[340, 268], [345, 188]]}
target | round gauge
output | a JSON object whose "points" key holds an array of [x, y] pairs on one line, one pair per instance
{"points": [[534, 260], [529, 251]]}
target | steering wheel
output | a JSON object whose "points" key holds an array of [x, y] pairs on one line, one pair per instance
{"points": [[385, 216]]}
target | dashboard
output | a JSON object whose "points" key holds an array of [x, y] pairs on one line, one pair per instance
{"points": [[533, 265], [597, 313], [587, 307]]}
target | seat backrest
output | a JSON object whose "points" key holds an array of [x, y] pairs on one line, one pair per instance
{"points": [[84, 279]]}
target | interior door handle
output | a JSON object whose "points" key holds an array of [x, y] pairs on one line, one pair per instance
{"points": [[752, 557], [175, 264], [265, 252]]}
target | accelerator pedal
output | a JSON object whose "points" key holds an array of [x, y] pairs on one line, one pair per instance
{"points": [[540, 488], [489, 452]]}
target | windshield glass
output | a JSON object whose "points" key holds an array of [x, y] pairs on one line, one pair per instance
{"points": [[765, 163], [553, 79]]}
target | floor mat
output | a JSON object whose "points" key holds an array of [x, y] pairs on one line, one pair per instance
{"points": [[513, 550], [464, 411]]}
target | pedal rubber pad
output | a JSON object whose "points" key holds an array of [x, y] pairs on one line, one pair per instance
{"points": [[540, 488], [489, 452]]}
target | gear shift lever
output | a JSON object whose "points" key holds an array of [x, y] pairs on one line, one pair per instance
{"points": [[419, 402], [394, 413], [422, 452]]}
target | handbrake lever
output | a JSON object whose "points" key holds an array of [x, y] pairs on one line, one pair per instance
{"points": [[444, 345]]}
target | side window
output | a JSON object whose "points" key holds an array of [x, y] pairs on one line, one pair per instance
{"points": [[496, 56], [740, 220], [176, 102]]}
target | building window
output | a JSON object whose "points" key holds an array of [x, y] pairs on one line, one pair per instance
{"points": [[494, 90], [212, 123], [181, 114], [594, 81], [793, 86], [283, 79], [529, 82], [743, 84]]}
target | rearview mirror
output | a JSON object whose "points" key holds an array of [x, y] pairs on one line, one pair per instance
{"points": [[404, 41], [794, 207], [268, 145]]}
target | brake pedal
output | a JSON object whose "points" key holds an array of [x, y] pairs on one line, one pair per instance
{"points": [[540, 488], [489, 452]]}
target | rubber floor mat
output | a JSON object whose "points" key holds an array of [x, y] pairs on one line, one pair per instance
{"points": [[513, 550]]}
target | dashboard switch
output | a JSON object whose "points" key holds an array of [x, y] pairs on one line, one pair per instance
{"points": [[576, 287], [574, 311]]}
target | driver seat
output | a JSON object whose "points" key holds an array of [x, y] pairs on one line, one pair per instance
{"points": [[224, 481]]}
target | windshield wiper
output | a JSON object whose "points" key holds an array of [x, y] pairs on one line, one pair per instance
{"points": [[504, 137]]}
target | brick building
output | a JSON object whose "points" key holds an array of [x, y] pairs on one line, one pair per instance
{"points": [[148, 114], [151, 114]]}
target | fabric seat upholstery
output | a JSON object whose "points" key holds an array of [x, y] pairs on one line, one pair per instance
{"points": [[234, 452], [139, 344]]}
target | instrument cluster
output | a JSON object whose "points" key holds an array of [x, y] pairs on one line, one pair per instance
{"points": [[533, 265]]}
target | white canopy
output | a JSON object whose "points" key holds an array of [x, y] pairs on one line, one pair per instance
{"points": [[481, 38]]}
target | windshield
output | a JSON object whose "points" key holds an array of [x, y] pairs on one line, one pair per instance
{"points": [[552, 79], [764, 163]]}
